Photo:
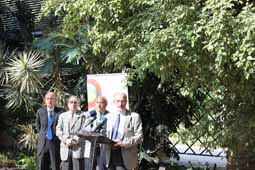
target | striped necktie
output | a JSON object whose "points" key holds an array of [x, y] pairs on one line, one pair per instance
{"points": [[115, 131]]}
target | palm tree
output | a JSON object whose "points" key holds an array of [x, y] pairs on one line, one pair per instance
{"points": [[28, 138], [22, 79]]}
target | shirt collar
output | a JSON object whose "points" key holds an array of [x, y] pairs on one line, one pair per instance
{"points": [[102, 113], [50, 109], [72, 113], [123, 113]]}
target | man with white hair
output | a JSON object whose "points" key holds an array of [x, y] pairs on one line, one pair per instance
{"points": [[125, 128]]}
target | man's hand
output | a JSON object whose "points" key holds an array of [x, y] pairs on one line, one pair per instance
{"points": [[68, 142], [119, 143], [74, 142]]}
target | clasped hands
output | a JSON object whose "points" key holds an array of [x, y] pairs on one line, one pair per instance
{"points": [[119, 144], [71, 142]]}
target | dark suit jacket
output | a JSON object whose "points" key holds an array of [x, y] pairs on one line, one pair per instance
{"points": [[42, 127]]}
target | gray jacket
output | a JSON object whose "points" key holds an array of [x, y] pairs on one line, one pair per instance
{"points": [[133, 135], [66, 129]]}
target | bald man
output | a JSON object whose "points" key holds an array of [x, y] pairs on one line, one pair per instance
{"points": [[48, 143], [97, 115]]}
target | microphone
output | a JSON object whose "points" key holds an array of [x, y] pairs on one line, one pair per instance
{"points": [[92, 113], [90, 122], [100, 125]]}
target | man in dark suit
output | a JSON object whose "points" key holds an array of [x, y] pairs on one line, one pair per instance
{"points": [[48, 144]]}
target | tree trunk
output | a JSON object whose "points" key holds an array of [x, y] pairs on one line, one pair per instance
{"points": [[242, 159]]}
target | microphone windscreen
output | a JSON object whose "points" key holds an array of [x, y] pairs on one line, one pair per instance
{"points": [[100, 125], [104, 119], [93, 113]]}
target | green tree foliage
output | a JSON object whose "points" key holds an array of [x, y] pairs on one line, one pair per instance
{"points": [[159, 103], [205, 46], [69, 59], [192, 58]]}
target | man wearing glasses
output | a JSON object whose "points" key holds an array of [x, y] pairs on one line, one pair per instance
{"points": [[72, 146]]}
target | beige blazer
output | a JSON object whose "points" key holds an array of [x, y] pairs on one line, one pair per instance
{"points": [[65, 129], [133, 135]]}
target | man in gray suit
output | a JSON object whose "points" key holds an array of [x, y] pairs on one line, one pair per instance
{"points": [[72, 146], [48, 143], [125, 128]]}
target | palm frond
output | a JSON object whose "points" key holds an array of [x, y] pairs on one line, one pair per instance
{"points": [[16, 99], [23, 72], [5, 54], [28, 137]]}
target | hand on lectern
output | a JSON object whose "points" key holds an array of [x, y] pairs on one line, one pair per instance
{"points": [[119, 143], [71, 142]]}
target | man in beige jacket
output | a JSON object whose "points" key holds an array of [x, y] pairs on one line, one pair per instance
{"points": [[72, 146], [125, 128]]}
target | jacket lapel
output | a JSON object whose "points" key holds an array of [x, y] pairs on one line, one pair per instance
{"points": [[127, 121], [55, 114], [76, 119], [45, 116]]}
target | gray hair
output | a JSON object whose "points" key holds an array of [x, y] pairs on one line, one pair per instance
{"points": [[73, 96], [122, 94]]}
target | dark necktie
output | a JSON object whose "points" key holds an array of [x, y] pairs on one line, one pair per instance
{"points": [[115, 132], [49, 130]]}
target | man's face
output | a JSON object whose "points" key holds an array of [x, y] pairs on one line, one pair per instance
{"points": [[73, 104], [50, 100], [120, 103], [101, 104]]}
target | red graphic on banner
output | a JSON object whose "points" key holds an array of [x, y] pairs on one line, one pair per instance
{"points": [[94, 90]]}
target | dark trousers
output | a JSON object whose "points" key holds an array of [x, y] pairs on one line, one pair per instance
{"points": [[116, 162], [72, 163], [49, 157], [99, 160]]}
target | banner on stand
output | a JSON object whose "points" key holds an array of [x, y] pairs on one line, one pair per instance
{"points": [[105, 85]]}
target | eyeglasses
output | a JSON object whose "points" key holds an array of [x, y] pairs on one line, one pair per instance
{"points": [[74, 102], [120, 101], [50, 98], [100, 102]]}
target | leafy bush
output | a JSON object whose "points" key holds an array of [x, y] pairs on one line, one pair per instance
{"points": [[5, 161], [27, 162]]}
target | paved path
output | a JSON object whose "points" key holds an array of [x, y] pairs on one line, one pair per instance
{"points": [[198, 160]]}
